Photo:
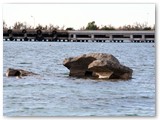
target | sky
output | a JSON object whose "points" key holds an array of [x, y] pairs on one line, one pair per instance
{"points": [[78, 15]]}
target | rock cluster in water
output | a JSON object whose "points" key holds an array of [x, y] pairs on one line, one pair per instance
{"points": [[18, 72], [97, 65]]}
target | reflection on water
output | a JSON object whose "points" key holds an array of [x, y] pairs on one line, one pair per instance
{"points": [[54, 93]]}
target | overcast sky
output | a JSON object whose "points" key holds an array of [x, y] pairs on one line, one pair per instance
{"points": [[78, 15]]}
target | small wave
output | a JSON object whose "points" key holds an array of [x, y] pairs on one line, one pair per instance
{"points": [[146, 97], [134, 97], [36, 108], [24, 63], [131, 114]]}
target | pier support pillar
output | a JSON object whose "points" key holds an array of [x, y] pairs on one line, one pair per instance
{"points": [[25, 35], [92, 36], [110, 37], [143, 37], [131, 37], [69, 37], [74, 36], [11, 37]]}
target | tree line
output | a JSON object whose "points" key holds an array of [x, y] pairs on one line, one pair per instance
{"points": [[90, 26]]}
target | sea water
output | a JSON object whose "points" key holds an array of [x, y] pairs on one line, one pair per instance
{"points": [[54, 93]]}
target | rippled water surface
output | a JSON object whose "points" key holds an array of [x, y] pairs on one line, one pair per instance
{"points": [[54, 93]]}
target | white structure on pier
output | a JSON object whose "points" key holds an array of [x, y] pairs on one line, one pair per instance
{"points": [[114, 35]]}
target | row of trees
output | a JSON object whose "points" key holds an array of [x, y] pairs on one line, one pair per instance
{"points": [[90, 26], [20, 25], [136, 26]]}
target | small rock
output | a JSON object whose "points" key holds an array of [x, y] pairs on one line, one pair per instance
{"points": [[18, 73]]}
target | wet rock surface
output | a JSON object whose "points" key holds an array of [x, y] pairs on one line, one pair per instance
{"points": [[97, 65], [18, 72]]}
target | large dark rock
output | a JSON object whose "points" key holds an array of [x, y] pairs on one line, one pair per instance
{"points": [[97, 65], [18, 72]]}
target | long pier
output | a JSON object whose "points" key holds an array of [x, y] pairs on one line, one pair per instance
{"points": [[78, 36]]}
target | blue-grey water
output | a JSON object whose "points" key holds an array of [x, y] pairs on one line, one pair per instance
{"points": [[54, 93]]}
